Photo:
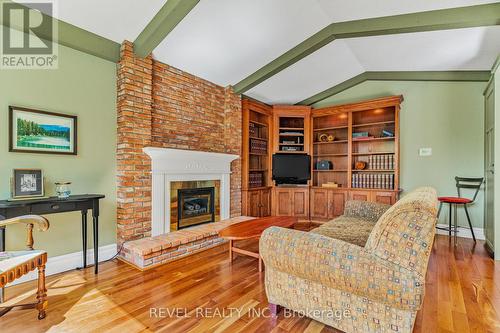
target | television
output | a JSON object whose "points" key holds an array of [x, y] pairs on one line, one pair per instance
{"points": [[291, 168]]}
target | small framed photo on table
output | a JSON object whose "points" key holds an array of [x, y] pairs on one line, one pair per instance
{"points": [[27, 183]]}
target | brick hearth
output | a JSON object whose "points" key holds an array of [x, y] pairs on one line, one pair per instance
{"points": [[149, 252]]}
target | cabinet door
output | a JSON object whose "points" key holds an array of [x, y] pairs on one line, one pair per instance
{"points": [[359, 195], [253, 200], [300, 203], [388, 198], [319, 203], [283, 199], [265, 202], [336, 203]]}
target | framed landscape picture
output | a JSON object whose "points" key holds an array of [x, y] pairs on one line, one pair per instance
{"points": [[33, 131], [27, 183]]}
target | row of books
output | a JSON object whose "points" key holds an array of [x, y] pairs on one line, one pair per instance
{"points": [[371, 180], [255, 179], [381, 162], [258, 146]]}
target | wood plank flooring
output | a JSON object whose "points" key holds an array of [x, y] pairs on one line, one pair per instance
{"points": [[120, 298]]}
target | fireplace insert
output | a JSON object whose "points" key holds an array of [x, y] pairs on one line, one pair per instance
{"points": [[195, 206]]}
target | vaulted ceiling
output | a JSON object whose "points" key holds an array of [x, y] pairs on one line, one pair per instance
{"points": [[226, 41]]}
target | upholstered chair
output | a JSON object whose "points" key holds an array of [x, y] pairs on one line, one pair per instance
{"points": [[375, 288], [14, 264]]}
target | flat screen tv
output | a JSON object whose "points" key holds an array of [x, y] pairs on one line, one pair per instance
{"points": [[291, 168]]}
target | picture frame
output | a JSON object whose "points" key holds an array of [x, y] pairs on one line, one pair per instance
{"points": [[27, 183], [42, 132]]}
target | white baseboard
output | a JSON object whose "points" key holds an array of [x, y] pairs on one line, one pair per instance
{"points": [[462, 232], [69, 262]]}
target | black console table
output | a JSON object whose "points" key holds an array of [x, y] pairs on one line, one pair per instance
{"points": [[83, 203]]}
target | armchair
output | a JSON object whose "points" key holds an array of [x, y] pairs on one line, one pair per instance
{"points": [[14, 264], [375, 288]]}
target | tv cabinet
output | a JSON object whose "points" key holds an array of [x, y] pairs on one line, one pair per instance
{"points": [[359, 143]]}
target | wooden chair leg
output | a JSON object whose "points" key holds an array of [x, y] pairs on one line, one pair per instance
{"points": [[41, 294], [470, 223]]}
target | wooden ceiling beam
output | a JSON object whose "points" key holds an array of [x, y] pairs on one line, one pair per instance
{"points": [[443, 19], [161, 25], [456, 76]]}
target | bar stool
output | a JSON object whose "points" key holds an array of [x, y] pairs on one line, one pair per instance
{"points": [[461, 182]]}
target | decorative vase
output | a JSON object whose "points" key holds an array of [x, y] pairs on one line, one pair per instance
{"points": [[62, 190]]}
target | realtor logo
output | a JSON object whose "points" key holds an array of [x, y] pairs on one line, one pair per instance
{"points": [[28, 35]]}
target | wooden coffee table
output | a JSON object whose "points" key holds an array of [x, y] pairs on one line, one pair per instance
{"points": [[253, 229]]}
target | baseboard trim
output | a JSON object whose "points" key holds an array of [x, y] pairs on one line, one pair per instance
{"points": [[462, 232], [68, 262]]}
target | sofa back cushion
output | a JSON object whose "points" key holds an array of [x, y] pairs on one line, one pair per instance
{"points": [[405, 232]]}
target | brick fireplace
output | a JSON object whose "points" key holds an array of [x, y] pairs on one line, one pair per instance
{"points": [[161, 107]]}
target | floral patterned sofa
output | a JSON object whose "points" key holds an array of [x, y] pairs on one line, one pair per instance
{"points": [[375, 288]]}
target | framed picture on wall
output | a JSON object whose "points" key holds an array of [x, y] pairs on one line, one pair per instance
{"points": [[27, 183], [34, 131]]}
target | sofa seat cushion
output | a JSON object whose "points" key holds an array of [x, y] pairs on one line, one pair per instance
{"points": [[348, 229]]}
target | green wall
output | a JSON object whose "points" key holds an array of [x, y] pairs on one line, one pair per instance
{"points": [[445, 116], [85, 86]]}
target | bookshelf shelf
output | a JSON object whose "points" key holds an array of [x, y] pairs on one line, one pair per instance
{"points": [[380, 153]]}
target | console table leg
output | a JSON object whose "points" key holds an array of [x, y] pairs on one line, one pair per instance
{"points": [[84, 237], [230, 250], [96, 244]]}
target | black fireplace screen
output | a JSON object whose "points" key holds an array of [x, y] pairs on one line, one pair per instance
{"points": [[195, 206]]}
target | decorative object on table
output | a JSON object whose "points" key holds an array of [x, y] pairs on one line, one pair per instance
{"points": [[387, 134], [27, 183], [33, 131], [324, 165], [331, 138], [62, 190], [360, 165]]}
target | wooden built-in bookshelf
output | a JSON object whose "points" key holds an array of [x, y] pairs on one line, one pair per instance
{"points": [[378, 147]]}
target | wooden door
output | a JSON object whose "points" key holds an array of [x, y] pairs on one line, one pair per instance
{"points": [[300, 203], [489, 165], [388, 198], [265, 202], [359, 195], [253, 203], [319, 203], [336, 203], [283, 202]]}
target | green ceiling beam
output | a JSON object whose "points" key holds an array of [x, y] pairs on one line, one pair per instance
{"points": [[456, 76], [74, 37], [454, 18], [161, 25]]}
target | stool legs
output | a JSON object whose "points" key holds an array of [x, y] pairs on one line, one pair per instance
{"points": [[455, 223], [449, 221], [470, 223]]}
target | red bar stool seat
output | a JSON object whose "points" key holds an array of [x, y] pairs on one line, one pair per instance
{"points": [[454, 202]]}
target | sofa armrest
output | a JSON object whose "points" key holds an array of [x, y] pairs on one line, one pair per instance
{"points": [[341, 266], [365, 210]]}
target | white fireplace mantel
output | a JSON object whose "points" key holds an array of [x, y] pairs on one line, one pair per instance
{"points": [[170, 165]]}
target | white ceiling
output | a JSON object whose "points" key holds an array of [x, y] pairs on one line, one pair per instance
{"points": [[224, 41]]}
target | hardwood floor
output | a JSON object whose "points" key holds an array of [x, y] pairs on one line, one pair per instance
{"points": [[120, 297]]}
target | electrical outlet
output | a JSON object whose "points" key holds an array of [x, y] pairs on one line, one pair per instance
{"points": [[425, 151]]}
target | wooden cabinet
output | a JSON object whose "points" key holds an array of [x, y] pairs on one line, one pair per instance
{"points": [[360, 195], [257, 203], [291, 201], [327, 204], [388, 198]]}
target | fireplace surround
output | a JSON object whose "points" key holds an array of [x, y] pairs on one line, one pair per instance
{"points": [[171, 166]]}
